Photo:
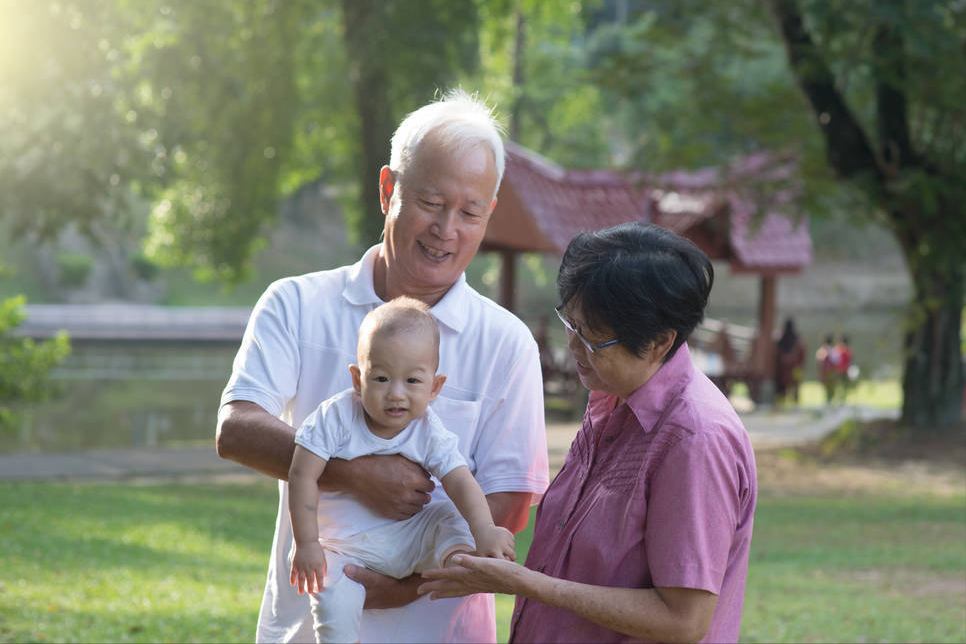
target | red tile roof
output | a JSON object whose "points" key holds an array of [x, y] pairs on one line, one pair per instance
{"points": [[541, 206]]}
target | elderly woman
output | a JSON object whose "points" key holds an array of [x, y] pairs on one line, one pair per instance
{"points": [[645, 532]]}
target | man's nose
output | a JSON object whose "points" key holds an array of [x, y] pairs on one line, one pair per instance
{"points": [[445, 225]]}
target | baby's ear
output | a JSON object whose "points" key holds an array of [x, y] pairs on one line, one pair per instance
{"points": [[438, 381], [356, 378]]}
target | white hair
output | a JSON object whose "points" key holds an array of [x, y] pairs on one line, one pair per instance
{"points": [[458, 120]]}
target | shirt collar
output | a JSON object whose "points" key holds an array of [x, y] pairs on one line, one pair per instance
{"points": [[360, 290], [651, 400]]}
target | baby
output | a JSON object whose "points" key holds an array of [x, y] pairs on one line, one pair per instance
{"points": [[386, 412]]}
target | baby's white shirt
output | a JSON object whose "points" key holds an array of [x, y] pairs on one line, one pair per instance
{"points": [[337, 429]]}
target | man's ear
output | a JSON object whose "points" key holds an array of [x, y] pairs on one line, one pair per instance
{"points": [[356, 378], [438, 381], [387, 184], [493, 205]]}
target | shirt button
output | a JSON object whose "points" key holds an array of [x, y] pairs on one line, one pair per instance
{"points": [[560, 525], [608, 439]]}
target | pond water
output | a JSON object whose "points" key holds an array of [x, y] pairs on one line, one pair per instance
{"points": [[124, 395]]}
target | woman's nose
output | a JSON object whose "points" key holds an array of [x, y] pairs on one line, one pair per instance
{"points": [[574, 343]]}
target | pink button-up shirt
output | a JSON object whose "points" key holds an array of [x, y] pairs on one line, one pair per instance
{"points": [[658, 491]]}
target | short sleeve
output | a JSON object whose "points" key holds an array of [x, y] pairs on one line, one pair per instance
{"points": [[325, 430], [442, 448], [266, 367], [692, 514], [511, 453]]}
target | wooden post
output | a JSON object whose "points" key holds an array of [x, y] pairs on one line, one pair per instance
{"points": [[766, 348]]}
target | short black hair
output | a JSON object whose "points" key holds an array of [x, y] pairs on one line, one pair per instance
{"points": [[639, 280]]}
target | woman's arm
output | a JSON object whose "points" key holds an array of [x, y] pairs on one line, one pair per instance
{"points": [[663, 614]]}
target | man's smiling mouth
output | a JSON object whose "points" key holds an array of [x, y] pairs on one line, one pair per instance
{"points": [[432, 252]]}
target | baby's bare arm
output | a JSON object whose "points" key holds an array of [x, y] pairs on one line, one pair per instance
{"points": [[466, 494], [308, 565]]}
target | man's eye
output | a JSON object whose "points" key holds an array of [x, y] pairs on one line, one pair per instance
{"points": [[471, 214], [431, 204]]}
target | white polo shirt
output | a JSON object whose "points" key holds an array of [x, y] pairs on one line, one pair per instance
{"points": [[296, 351]]}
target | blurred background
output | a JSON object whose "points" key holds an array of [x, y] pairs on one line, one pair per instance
{"points": [[163, 161]]}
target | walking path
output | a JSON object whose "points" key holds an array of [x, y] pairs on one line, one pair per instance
{"points": [[767, 428]]}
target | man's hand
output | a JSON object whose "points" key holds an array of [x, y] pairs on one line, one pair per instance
{"points": [[392, 486], [383, 591]]}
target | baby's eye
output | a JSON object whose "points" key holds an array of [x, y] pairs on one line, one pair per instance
{"points": [[413, 381], [381, 379]]}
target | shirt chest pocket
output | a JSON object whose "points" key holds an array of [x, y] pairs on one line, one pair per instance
{"points": [[462, 418]]}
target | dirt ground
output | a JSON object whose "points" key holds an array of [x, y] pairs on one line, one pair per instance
{"points": [[860, 458], [869, 457]]}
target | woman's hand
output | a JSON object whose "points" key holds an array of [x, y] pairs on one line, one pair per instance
{"points": [[469, 575]]}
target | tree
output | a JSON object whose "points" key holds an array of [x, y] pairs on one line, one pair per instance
{"points": [[908, 155], [25, 365], [400, 52], [885, 83]]}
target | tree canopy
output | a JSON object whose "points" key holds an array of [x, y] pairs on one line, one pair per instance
{"points": [[199, 116]]}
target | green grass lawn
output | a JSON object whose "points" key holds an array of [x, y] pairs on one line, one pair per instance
{"points": [[186, 563]]}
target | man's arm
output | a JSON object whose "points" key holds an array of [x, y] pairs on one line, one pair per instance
{"points": [[391, 486], [510, 509], [249, 435]]}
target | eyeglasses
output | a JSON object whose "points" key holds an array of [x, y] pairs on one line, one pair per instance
{"points": [[593, 348]]}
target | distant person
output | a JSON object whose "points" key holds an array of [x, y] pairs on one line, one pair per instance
{"points": [[385, 412], [789, 362], [826, 363], [846, 372], [646, 531]]}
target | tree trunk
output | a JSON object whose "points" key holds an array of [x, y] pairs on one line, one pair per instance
{"points": [[365, 22], [923, 204], [933, 377]]}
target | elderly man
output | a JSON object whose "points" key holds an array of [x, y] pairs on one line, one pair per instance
{"points": [[437, 194]]}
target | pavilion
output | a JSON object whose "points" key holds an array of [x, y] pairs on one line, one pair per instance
{"points": [[743, 213]]}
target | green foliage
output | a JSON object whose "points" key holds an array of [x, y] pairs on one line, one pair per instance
{"points": [[74, 269], [143, 267], [70, 145], [24, 364]]}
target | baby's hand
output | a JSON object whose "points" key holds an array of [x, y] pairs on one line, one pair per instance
{"points": [[308, 568], [495, 541]]}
